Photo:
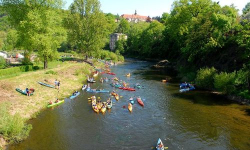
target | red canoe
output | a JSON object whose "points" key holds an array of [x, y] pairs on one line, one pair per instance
{"points": [[140, 101], [128, 89], [111, 73]]}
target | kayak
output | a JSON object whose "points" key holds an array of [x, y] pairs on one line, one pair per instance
{"points": [[130, 107], [128, 75], [23, 91], [138, 86], [74, 96], [128, 89], [187, 89], [55, 104], [45, 84], [140, 101], [103, 110], [95, 74], [91, 81], [117, 97], [131, 100], [110, 73], [94, 107], [84, 87], [160, 145], [109, 105], [97, 91], [99, 105]]}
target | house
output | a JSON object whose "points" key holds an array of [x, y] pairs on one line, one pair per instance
{"points": [[136, 18], [115, 37]]}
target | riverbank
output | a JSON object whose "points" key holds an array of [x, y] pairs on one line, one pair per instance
{"points": [[166, 65], [71, 76]]}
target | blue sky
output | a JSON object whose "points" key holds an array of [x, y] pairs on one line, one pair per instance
{"points": [[149, 7]]}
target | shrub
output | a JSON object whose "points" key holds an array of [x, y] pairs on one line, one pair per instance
{"points": [[224, 82], [26, 68], [2, 63], [205, 78], [51, 72], [13, 127]]}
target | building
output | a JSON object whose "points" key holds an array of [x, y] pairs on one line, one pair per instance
{"points": [[115, 37], [136, 18]]}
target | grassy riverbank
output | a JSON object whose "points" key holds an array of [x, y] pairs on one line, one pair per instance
{"points": [[16, 108]]}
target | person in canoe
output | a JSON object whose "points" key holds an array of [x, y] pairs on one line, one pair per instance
{"points": [[50, 102], [57, 100]]}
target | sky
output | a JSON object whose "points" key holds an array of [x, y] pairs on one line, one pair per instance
{"points": [[150, 8]]}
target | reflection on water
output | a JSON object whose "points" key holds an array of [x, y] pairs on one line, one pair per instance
{"points": [[192, 120]]}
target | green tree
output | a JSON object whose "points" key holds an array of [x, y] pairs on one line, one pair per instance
{"points": [[246, 9], [87, 26], [123, 26], [10, 42], [38, 26]]}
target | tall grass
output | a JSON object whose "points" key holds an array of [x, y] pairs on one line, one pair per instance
{"points": [[13, 127]]}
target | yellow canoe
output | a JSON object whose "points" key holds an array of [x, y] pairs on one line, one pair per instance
{"points": [[130, 107], [128, 75]]}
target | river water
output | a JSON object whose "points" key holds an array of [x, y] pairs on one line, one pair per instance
{"points": [[196, 120]]}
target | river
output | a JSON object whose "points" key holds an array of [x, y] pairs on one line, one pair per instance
{"points": [[196, 120]]}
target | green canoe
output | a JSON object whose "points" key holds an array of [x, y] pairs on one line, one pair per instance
{"points": [[55, 104], [22, 91], [45, 84]]}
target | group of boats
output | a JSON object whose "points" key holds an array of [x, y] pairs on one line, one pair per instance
{"points": [[184, 87]]}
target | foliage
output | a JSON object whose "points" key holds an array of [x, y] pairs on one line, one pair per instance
{"points": [[2, 62], [123, 26], [13, 127], [246, 9], [205, 78], [87, 26], [10, 42], [17, 70], [38, 26], [51, 72], [224, 82], [107, 55]]}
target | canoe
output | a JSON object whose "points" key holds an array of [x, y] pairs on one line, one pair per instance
{"points": [[23, 91], [160, 145], [138, 86], [130, 107], [127, 89], [103, 110], [84, 87], [55, 104], [187, 89], [94, 107], [164, 80], [97, 91], [74, 96], [109, 105], [91, 81], [110, 73], [140, 101], [95, 74], [48, 85], [128, 75], [131, 100], [99, 105], [117, 97]]}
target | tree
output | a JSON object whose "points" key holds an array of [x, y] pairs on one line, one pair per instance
{"points": [[10, 42], [246, 9], [87, 26], [38, 26], [123, 27]]}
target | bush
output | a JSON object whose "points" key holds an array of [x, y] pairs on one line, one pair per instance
{"points": [[13, 128], [205, 78], [26, 68], [2, 63], [224, 82], [51, 72]]}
